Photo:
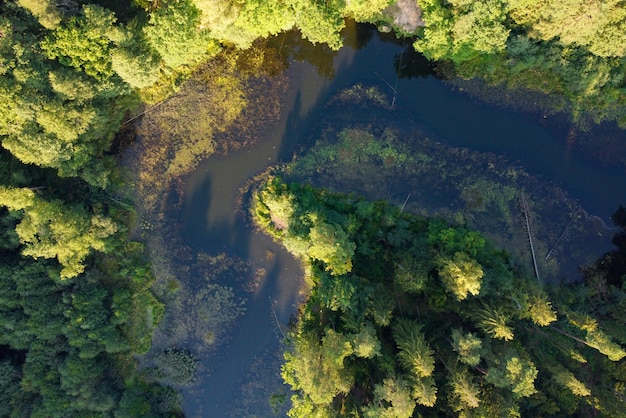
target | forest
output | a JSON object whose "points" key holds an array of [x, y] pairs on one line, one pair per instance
{"points": [[409, 316], [77, 303]]}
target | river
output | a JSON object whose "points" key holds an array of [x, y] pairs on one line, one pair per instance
{"points": [[212, 223]]}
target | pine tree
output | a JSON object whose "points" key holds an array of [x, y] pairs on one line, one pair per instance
{"points": [[495, 323], [468, 346], [392, 399], [414, 354], [465, 392]]}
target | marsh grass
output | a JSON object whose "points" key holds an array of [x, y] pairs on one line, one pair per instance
{"points": [[361, 96], [220, 107]]}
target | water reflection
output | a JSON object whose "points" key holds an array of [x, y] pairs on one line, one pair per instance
{"points": [[411, 64], [212, 223]]}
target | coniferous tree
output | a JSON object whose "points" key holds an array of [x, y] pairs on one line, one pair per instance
{"points": [[495, 322], [461, 275], [414, 352]]}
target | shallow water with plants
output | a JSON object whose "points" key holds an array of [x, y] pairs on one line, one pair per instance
{"points": [[136, 138], [373, 120]]}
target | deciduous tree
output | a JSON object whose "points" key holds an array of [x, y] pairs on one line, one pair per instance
{"points": [[55, 230], [85, 42], [331, 245], [174, 33]]}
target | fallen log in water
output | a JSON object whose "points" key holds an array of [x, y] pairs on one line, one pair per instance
{"points": [[530, 238], [559, 240]]}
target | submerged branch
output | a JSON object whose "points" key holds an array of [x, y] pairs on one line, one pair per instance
{"points": [[149, 109], [530, 238], [559, 240], [276, 320], [405, 202]]}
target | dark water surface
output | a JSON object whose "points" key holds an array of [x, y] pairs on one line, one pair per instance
{"points": [[212, 224]]}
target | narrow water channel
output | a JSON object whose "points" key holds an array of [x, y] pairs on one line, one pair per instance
{"points": [[212, 224]]}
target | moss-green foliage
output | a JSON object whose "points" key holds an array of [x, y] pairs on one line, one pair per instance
{"points": [[461, 275], [392, 398], [84, 43], [240, 23], [366, 10], [45, 11], [75, 304], [468, 346], [515, 374], [320, 22], [462, 30], [68, 335], [320, 235], [500, 350], [591, 85], [69, 72], [134, 60], [597, 25], [496, 323], [66, 86], [69, 344], [45, 120]]}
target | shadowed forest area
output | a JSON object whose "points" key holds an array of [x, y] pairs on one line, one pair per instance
{"points": [[106, 106]]}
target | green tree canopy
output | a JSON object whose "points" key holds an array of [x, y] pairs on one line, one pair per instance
{"points": [[84, 42], [461, 275], [598, 25], [515, 373], [56, 230], [468, 346], [46, 12], [368, 344], [174, 33], [330, 244], [414, 353]]}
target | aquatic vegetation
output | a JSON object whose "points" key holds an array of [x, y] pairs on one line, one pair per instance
{"points": [[199, 311], [431, 178], [230, 92], [361, 96], [73, 74], [262, 393], [177, 366]]}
